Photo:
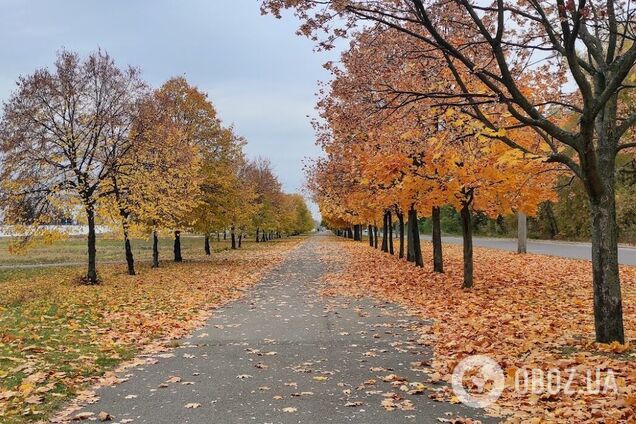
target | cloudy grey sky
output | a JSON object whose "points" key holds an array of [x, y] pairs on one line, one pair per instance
{"points": [[259, 74]]}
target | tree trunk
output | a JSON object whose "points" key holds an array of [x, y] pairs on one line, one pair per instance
{"points": [[155, 249], [370, 231], [409, 239], [207, 245], [467, 234], [177, 247], [554, 226], [390, 222], [385, 234], [224, 235], [357, 232], [414, 247], [522, 233], [375, 236], [257, 234], [400, 217], [438, 258], [240, 239], [130, 260], [91, 273], [608, 308], [233, 237]]}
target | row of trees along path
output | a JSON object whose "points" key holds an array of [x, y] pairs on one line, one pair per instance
{"points": [[463, 102], [93, 140]]}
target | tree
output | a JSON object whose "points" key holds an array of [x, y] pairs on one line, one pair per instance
{"points": [[165, 179], [302, 221], [220, 190], [260, 176], [64, 134], [189, 108]]}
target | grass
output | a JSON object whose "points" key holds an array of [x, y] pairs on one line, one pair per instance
{"points": [[57, 337], [73, 250]]}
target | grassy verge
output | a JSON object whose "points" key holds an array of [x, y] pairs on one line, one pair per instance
{"points": [[56, 336], [73, 250]]}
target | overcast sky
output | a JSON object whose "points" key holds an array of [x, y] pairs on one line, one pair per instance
{"points": [[259, 74]]}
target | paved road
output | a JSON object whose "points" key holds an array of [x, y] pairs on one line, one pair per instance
{"points": [[286, 354], [626, 255]]}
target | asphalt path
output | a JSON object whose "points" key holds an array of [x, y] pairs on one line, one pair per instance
{"points": [[286, 354], [626, 254]]}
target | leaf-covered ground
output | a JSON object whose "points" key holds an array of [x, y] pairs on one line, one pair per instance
{"points": [[525, 311], [57, 337]]}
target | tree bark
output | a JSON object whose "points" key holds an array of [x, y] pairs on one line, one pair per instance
{"points": [[257, 234], [409, 239], [91, 273], [155, 249], [467, 234], [130, 260], [608, 307], [400, 217], [375, 236], [522, 233], [370, 231], [390, 222], [554, 226], [240, 239], [177, 246], [207, 245], [414, 246], [438, 258], [124, 215], [385, 234], [233, 237]]}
